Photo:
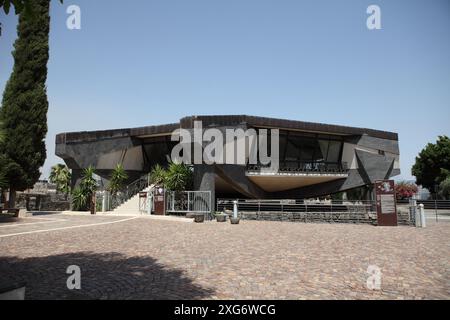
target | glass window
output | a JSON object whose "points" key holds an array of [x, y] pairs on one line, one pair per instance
{"points": [[323, 146], [334, 151], [297, 148], [307, 150]]}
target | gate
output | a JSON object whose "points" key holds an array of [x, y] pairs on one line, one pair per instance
{"points": [[182, 202]]}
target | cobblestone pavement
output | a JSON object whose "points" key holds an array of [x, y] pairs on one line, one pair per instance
{"points": [[150, 259]]}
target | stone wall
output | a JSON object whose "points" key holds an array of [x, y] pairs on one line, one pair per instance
{"points": [[43, 202], [321, 217]]}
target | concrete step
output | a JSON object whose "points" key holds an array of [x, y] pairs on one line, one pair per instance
{"points": [[132, 204]]}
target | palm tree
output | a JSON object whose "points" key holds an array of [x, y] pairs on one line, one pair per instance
{"points": [[84, 194], [178, 177], [158, 175], [61, 176], [117, 179], [79, 199], [89, 185]]}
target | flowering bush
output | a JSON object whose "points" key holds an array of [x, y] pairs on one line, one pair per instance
{"points": [[405, 190]]}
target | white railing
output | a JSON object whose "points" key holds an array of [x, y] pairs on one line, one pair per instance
{"points": [[298, 205], [188, 201]]}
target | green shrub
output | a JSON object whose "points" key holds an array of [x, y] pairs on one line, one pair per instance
{"points": [[117, 179], [80, 199]]}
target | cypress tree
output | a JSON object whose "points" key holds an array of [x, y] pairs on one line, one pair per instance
{"points": [[24, 106]]}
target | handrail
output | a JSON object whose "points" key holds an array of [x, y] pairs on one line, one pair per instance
{"points": [[297, 205], [286, 201], [305, 166], [129, 191]]}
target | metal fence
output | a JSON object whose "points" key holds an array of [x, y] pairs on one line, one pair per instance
{"points": [[296, 166], [437, 210], [182, 202], [298, 205]]}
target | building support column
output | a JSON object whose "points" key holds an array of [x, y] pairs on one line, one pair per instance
{"points": [[205, 180], [76, 178]]}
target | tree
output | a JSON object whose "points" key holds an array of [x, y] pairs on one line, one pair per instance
{"points": [[60, 175], [89, 186], [157, 175], [433, 164], [117, 179], [179, 177], [2, 132], [444, 188], [80, 199], [405, 190], [83, 196], [3, 180], [24, 104], [19, 5]]}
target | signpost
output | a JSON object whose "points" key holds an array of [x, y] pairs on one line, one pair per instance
{"points": [[386, 202], [159, 201]]}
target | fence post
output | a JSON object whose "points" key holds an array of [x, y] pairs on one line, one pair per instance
{"points": [[435, 209], [306, 210], [173, 200], [105, 194], [189, 201], [423, 222], [413, 208], [210, 208], [149, 202]]}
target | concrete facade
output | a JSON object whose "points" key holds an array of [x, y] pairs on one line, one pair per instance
{"points": [[338, 158]]}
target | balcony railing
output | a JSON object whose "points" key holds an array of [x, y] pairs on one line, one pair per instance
{"points": [[304, 167]]}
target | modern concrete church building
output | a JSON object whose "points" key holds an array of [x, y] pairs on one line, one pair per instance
{"points": [[314, 159]]}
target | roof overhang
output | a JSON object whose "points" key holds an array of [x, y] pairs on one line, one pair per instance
{"points": [[275, 182]]}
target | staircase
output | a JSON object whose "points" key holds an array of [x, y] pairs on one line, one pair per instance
{"points": [[126, 201], [131, 206]]}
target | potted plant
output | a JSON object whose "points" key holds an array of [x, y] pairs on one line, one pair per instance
{"points": [[234, 220], [199, 217], [221, 217]]}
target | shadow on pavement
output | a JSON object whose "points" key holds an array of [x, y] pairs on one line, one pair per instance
{"points": [[8, 218], [44, 213], [103, 276]]}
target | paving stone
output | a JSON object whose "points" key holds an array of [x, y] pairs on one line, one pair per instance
{"points": [[152, 259]]}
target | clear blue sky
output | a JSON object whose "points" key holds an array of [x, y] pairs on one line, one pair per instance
{"points": [[137, 63]]}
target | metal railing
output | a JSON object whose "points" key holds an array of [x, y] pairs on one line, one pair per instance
{"points": [[294, 166], [181, 202], [299, 205], [438, 210], [129, 191]]}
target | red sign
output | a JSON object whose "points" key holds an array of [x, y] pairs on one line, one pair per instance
{"points": [[386, 202]]}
